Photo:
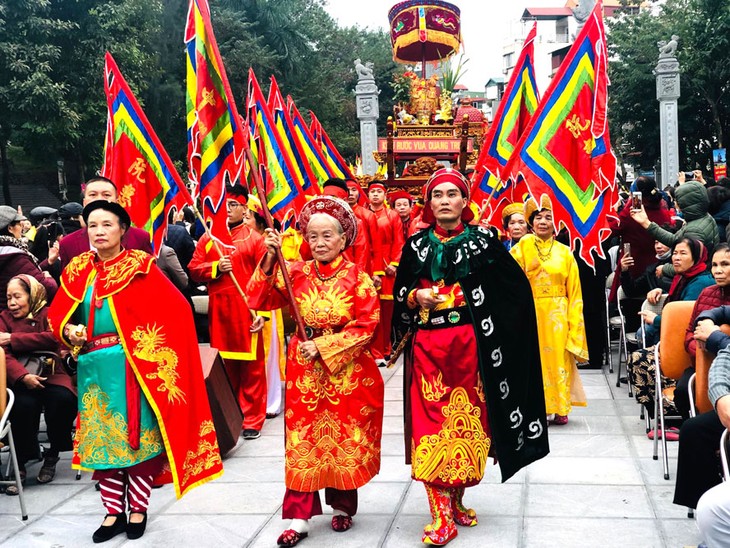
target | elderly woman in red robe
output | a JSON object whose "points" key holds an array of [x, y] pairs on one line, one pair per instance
{"points": [[143, 411], [334, 395]]}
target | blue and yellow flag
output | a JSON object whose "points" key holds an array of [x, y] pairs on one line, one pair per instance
{"points": [[310, 147], [149, 186], [513, 115], [337, 165], [290, 140], [565, 153], [282, 182], [216, 141]]}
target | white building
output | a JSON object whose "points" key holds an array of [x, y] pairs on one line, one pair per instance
{"points": [[556, 31]]}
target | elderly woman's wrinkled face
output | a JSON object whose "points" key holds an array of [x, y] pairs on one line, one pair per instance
{"points": [[18, 299], [325, 238], [682, 258]]}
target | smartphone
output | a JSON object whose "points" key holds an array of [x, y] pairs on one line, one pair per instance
{"points": [[636, 200], [627, 250]]}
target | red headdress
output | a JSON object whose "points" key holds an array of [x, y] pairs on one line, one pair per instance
{"points": [[335, 208], [445, 175]]}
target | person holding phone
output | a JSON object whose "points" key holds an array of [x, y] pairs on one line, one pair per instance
{"points": [[632, 234]]}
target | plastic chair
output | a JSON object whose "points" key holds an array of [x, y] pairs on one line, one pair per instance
{"points": [[699, 399], [7, 399], [670, 360]]}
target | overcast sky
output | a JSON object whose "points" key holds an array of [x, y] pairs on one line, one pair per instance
{"points": [[486, 26]]}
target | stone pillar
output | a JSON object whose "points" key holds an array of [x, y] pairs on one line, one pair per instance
{"points": [[368, 110], [667, 93]]}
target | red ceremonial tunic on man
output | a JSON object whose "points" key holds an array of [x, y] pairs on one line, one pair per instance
{"points": [[390, 238], [334, 404], [370, 226], [450, 436], [230, 318]]}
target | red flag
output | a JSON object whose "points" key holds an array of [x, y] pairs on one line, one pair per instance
{"points": [[149, 185], [216, 140], [337, 164], [519, 102], [565, 153]]}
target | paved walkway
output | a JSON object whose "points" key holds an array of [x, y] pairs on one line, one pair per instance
{"points": [[598, 487]]}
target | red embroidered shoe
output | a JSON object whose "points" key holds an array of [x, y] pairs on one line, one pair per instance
{"points": [[341, 523], [560, 419], [290, 537], [442, 529], [462, 515]]}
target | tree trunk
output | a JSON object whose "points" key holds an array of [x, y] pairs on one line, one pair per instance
{"points": [[5, 170]]}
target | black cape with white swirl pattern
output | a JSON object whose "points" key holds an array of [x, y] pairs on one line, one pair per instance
{"points": [[502, 307]]}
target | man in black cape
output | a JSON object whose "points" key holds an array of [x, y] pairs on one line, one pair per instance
{"points": [[472, 379]]}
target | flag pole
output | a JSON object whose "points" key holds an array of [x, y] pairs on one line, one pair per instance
{"points": [[484, 207], [279, 257]]}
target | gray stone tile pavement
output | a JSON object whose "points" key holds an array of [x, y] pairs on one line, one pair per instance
{"points": [[598, 487]]}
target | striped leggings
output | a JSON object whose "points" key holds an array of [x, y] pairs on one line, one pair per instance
{"points": [[123, 488]]}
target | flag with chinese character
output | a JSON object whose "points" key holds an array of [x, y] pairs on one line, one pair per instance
{"points": [[215, 135], [149, 186], [519, 102], [310, 147], [336, 163], [565, 153], [282, 182], [290, 140]]}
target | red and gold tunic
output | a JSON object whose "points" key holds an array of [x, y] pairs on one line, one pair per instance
{"points": [[230, 318], [450, 436], [334, 404]]}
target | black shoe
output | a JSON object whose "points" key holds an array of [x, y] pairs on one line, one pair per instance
{"points": [[136, 530], [106, 532], [251, 434]]}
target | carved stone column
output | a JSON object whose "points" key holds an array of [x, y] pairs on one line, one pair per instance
{"points": [[368, 110], [667, 93]]}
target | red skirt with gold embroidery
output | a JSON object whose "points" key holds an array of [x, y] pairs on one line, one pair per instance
{"points": [[333, 423], [450, 433]]}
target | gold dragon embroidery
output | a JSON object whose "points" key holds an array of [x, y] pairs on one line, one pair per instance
{"points": [[149, 347]]}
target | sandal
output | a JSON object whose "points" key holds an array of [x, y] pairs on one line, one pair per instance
{"points": [[290, 537], [48, 470], [341, 523], [12, 490]]}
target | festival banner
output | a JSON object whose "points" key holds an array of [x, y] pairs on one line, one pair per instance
{"points": [[565, 153], [310, 147], [337, 164], [283, 185], [216, 140], [149, 185], [291, 141], [519, 102]]}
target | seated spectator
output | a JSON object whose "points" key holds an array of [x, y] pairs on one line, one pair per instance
{"points": [[640, 242], [14, 255], [692, 200], [639, 287], [23, 330], [699, 481], [689, 258]]}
